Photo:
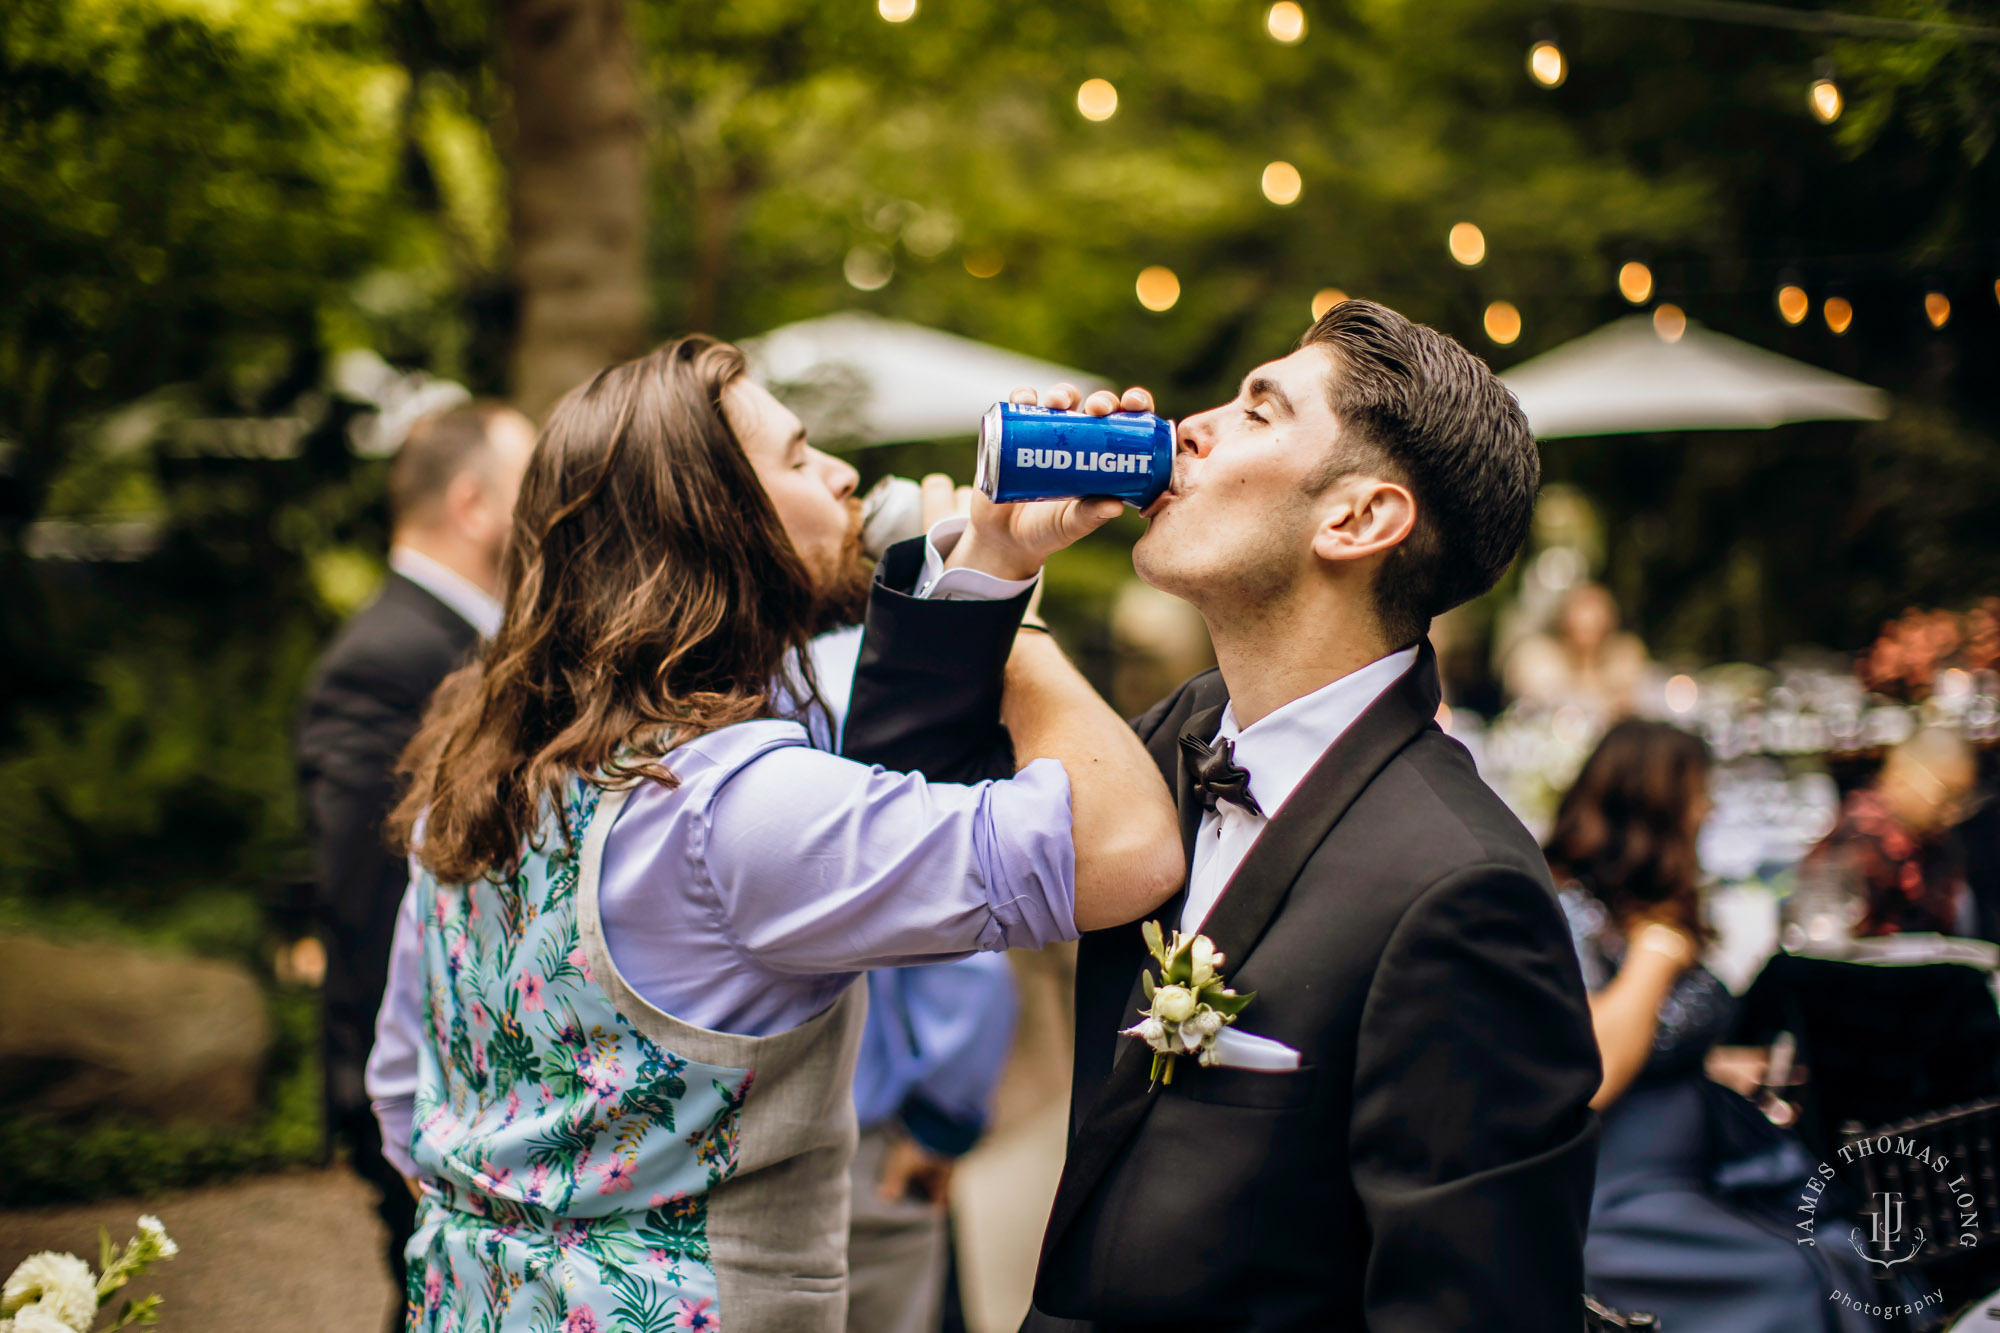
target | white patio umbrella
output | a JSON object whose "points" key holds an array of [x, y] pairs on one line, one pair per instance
{"points": [[1627, 378], [863, 379]]}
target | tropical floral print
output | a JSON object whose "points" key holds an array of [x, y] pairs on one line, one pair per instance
{"points": [[568, 1158]]}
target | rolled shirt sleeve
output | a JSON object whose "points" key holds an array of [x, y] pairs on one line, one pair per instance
{"points": [[961, 585], [399, 1028], [819, 864]]}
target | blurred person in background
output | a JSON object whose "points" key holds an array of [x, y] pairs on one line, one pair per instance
{"points": [[937, 1039], [1663, 1238], [451, 501], [1892, 841], [1588, 662]]}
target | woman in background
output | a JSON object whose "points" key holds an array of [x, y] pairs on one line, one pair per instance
{"points": [[1662, 1237]]}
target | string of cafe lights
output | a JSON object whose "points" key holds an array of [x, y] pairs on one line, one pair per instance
{"points": [[1158, 288]]}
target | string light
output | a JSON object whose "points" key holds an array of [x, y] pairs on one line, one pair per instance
{"points": [[1670, 322], [1097, 99], [1468, 245], [1793, 303], [1282, 183], [1325, 299], [1824, 96], [1937, 308], [1286, 22], [896, 11], [1158, 288], [1635, 282], [868, 268], [1546, 65], [1503, 322], [1839, 314], [984, 263]]}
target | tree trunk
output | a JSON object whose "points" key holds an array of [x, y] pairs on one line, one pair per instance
{"points": [[578, 193]]}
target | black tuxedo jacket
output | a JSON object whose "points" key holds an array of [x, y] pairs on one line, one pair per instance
{"points": [[1429, 1167], [364, 703]]}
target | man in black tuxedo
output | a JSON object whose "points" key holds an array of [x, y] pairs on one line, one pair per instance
{"points": [[451, 497], [1396, 1134]]}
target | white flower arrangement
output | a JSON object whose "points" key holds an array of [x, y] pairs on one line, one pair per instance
{"points": [[57, 1293], [1189, 1006]]}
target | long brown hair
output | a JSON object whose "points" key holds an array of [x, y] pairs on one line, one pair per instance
{"points": [[651, 595], [1624, 830]]}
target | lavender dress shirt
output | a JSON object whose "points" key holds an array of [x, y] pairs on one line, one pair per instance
{"points": [[749, 897]]}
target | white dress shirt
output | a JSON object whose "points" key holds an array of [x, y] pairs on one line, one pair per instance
{"points": [[1278, 749], [476, 606], [961, 585]]}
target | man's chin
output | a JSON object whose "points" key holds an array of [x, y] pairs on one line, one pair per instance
{"points": [[843, 597]]}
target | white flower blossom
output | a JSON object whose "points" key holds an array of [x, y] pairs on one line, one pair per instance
{"points": [[1173, 1004], [1152, 1031], [1207, 1022], [38, 1319], [154, 1233], [1206, 958], [58, 1289]]}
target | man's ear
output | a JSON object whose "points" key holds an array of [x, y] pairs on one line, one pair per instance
{"points": [[1364, 516], [465, 502]]}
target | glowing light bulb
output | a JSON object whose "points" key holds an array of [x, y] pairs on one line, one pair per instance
{"points": [[1286, 22], [896, 11], [1097, 99], [984, 263], [1546, 64], [1503, 322], [1937, 308], [1635, 282], [868, 268], [1825, 100], [1158, 288], [1282, 183], [1468, 244], [1670, 322], [1793, 304], [1325, 299], [1839, 313], [1682, 694]]}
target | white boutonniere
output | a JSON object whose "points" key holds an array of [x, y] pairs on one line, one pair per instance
{"points": [[1189, 1005]]}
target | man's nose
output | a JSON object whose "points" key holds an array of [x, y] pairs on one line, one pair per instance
{"points": [[1196, 434], [841, 476]]}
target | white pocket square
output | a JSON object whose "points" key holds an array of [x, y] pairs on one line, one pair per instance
{"points": [[1235, 1049]]}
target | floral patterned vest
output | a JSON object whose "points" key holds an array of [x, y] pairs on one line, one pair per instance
{"points": [[593, 1165]]}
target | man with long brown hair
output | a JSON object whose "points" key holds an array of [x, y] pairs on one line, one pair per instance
{"points": [[616, 1050]]}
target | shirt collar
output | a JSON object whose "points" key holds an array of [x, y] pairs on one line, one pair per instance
{"points": [[476, 606], [1281, 747]]}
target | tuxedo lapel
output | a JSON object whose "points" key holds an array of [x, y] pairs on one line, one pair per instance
{"points": [[1250, 900]]}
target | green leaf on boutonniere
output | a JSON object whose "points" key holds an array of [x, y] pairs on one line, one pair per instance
{"points": [[1146, 980], [1155, 942], [1180, 966], [1227, 1002]]}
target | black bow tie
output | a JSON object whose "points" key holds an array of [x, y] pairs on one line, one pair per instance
{"points": [[1216, 776]]}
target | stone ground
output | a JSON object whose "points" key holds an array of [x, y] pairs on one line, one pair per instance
{"points": [[302, 1251], [295, 1251]]}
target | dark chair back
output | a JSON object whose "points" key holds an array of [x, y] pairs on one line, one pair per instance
{"points": [[1950, 1206], [1880, 1044]]}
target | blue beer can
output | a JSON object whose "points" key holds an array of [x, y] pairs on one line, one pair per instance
{"points": [[1034, 453]]}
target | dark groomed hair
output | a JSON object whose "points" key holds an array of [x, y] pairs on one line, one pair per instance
{"points": [[1622, 830], [1415, 404], [437, 450], [652, 595]]}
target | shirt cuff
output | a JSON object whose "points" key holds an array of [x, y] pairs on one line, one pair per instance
{"points": [[961, 585]]}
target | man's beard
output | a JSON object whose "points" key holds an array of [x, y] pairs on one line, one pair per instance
{"points": [[843, 594]]}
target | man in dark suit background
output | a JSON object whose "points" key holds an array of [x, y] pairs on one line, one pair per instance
{"points": [[452, 487], [1398, 1136]]}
